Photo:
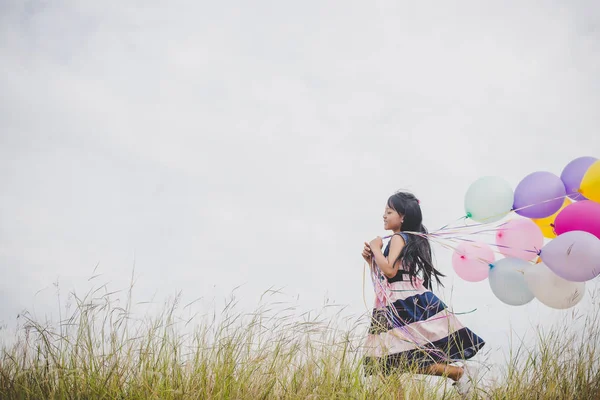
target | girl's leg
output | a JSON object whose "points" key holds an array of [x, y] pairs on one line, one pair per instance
{"points": [[450, 371]]}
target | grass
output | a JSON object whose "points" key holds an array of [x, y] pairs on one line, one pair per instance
{"points": [[101, 351]]}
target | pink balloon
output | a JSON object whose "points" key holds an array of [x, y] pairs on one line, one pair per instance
{"points": [[471, 261], [520, 238], [581, 216]]}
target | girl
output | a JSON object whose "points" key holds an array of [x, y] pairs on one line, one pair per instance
{"points": [[411, 327]]}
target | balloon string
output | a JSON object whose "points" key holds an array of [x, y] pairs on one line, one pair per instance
{"points": [[526, 207], [498, 215], [542, 202], [446, 231], [454, 222], [496, 245]]}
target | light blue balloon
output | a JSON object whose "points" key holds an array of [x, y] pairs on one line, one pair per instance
{"points": [[489, 199], [507, 280]]}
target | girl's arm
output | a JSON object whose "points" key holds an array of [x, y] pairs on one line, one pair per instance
{"points": [[388, 267]]}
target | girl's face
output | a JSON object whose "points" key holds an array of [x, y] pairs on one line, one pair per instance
{"points": [[392, 221]]}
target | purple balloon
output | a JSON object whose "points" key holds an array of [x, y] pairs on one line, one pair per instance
{"points": [[573, 173], [539, 195], [574, 256]]}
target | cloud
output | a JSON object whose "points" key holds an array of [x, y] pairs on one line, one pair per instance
{"points": [[256, 144]]}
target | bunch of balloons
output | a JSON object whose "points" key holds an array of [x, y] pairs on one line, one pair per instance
{"points": [[550, 249]]}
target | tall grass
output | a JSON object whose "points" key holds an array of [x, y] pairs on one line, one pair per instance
{"points": [[564, 363], [102, 351]]}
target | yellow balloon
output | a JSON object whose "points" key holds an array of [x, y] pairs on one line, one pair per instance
{"points": [[547, 224], [590, 184]]}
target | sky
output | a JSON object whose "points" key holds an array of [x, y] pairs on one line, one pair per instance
{"points": [[206, 146]]}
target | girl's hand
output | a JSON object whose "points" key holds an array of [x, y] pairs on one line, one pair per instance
{"points": [[366, 254], [376, 243]]}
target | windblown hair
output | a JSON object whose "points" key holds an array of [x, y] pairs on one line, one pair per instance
{"points": [[416, 257]]}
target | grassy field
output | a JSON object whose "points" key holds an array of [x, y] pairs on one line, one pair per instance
{"points": [[101, 351]]}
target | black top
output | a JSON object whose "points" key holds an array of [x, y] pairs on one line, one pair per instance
{"points": [[401, 274]]}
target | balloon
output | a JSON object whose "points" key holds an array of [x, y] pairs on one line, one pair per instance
{"points": [[539, 195], [547, 224], [574, 256], [520, 238], [552, 290], [590, 184], [488, 199], [471, 261], [581, 216], [573, 173], [508, 282]]}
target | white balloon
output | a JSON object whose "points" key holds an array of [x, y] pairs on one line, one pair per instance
{"points": [[552, 290], [489, 199]]}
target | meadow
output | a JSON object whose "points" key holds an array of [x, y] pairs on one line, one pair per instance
{"points": [[100, 349]]}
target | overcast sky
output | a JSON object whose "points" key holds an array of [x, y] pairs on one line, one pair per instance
{"points": [[219, 144]]}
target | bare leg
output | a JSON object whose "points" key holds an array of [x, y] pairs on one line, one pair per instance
{"points": [[449, 371]]}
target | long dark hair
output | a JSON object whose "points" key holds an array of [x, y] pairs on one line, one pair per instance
{"points": [[416, 255]]}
